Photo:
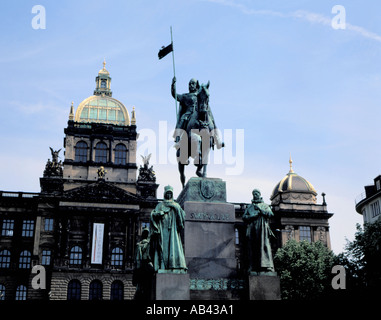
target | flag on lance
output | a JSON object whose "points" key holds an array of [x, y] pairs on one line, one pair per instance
{"points": [[165, 50], [162, 53]]}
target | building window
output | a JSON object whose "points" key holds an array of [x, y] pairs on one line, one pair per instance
{"points": [[46, 257], [81, 151], [27, 228], [2, 292], [95, 290], [101, 152], [74, 290], [117, 290], [305, 233], [5, 259], [120, 154], [75, 256], [25, 259], [378, 186], [48, 224], [117, 257], [21, 292], [375, 209], [7, 229]]}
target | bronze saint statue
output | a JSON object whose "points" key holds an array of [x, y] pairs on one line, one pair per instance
{"points": [[166, 249], [258, 232], [143, 269]]}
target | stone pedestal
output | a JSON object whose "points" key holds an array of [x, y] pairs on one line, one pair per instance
{"points": [[209, 238], [171, 286], [264, 287]]}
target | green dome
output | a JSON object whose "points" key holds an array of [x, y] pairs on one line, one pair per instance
{"points": [[102, 109]]}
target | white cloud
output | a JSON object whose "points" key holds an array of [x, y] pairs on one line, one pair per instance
{"points": [[363, 32], [302, 15]]}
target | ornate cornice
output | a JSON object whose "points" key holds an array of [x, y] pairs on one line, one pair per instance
{"points": [[101, 192]]}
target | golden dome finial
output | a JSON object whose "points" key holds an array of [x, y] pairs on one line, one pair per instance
{"points": [[104, 70], [290, 161]]}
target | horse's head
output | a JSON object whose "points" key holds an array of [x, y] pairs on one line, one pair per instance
{"points": [[203, 97]]}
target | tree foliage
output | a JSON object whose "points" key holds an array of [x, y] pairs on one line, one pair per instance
{"points": [[304, 269], [362, 258]]}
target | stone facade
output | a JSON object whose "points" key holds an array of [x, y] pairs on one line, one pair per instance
{"points": [[60, 281]]}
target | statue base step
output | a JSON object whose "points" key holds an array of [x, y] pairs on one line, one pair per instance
{"points": [[264, 287], [171, 286]]}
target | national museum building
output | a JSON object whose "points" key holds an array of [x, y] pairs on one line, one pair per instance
{"points": [[84, 224]]}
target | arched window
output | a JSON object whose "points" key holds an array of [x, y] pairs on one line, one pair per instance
{"points": [[24, 261], [2, 292], [101, 152], [117, 291], [75, 256], [81, 151], [117, 257], [95, 290], [5, 259], [120, 154], [21, 292], [74, 290]]}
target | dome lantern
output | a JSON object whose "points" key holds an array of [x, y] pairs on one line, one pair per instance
{"points": [[103, 82]]}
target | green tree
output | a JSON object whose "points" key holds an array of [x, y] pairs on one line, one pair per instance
{"points": [[304, 269], [362, 258]]}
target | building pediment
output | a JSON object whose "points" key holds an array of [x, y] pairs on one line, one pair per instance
{"points": [[100, 192]]}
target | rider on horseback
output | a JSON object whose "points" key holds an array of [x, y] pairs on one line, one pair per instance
{"points": [[188, 105], [195, 132]]}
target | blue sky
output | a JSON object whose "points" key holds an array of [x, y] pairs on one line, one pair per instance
{"points": [[279, 73]]}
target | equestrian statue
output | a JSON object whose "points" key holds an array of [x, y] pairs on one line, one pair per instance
{"points": [[196, 132]]}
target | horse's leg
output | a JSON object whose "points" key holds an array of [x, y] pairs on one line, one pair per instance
{"points": [[198, 171], [182, 175], [199, 165], [204, 170]]}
